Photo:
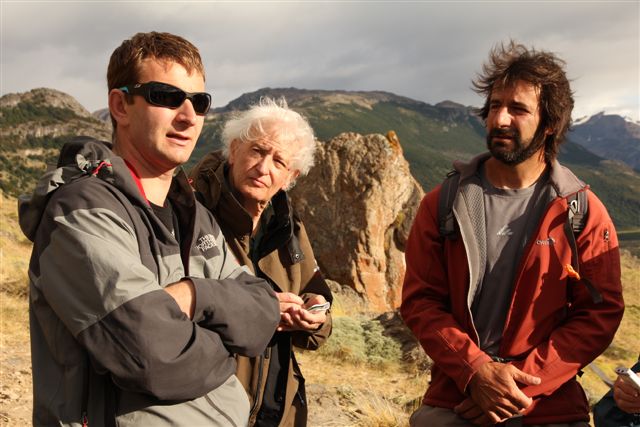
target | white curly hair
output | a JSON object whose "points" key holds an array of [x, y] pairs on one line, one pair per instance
{"points": [[273, 120]]}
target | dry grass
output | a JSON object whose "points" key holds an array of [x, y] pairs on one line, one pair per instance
{"points": [[15, 249], [364, 394], [367, 396], [15, 363]]}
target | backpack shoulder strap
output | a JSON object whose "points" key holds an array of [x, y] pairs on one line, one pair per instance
{"points": [[578, 208], [576, 219], [446, 221]]}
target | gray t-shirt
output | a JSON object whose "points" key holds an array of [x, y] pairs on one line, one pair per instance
{"points": [[511, 217]]}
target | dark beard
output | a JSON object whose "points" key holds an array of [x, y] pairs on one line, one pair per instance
{"points": [[520, 152]]}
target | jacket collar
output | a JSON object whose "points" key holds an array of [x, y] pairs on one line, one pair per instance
{"points": [[563, 181]]}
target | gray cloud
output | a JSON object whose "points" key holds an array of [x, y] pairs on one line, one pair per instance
{"points": [[428, 51]]}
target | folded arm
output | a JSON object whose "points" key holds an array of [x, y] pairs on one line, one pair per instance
{"points": [[91, 275]]}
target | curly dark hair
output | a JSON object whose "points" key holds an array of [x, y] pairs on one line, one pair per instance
{"points": [[514, 62]]}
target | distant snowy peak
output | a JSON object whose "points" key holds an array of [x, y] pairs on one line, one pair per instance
{"points": [[610, 136], [602, 115], [581, 120]]}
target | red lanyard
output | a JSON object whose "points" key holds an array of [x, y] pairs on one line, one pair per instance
{"points": [[136, 178]]}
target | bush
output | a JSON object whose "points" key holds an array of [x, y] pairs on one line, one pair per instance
{"points": [[380, 349], [360, 341]]}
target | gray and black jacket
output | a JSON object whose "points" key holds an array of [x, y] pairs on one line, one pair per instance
{"points": [[107, 341]]}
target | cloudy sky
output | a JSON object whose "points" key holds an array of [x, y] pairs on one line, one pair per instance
{"points": [[425, 50]]}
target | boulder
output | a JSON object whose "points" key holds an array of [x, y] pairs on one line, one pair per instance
{"points": [[358, 203]]}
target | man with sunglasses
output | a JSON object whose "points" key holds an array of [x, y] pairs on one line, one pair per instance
{"points": [[137, 306]]}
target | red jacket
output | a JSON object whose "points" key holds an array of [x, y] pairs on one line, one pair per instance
{"points": [[553, 328]]}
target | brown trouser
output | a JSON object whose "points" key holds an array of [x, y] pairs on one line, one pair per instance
{"points": [[430, 416]]}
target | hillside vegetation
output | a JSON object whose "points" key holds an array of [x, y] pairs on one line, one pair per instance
{"points": [[35, 124], [33, 127], [432, 137]]}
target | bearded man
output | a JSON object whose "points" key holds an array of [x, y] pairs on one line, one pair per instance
{"points": [[514, 302]]}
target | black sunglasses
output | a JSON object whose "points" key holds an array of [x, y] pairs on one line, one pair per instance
{"points": [[165, 95]]}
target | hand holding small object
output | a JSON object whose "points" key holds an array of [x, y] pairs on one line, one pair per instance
{"points": [[296, 315], [626, 391]]}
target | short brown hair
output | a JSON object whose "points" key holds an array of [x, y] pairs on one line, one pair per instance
{"points": [[124, 64], [514, 62]]}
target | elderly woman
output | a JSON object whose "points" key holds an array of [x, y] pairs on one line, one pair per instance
{"points": [[265, 149]]}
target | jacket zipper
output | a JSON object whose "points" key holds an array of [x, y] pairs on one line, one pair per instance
{"points": [[526, 253], [256, 393], [464, 241]]}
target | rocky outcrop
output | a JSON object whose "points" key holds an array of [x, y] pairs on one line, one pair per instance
{"points": [[49, 98], [33, 127], [48, 113], [358, 204]]}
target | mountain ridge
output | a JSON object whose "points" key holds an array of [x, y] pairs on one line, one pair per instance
{"points": [[33, 127], [610, 136], [432, 136]]}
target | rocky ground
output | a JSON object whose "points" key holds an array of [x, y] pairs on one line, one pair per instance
{"points": [[15, 392], [339, 394], [15, 363], [336, 403]]}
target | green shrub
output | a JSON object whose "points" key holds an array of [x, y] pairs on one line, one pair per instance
{"points": [[29, 112], [379, 348], [360, 341]]}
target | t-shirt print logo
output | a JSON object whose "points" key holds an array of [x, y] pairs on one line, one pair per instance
{"points": [[505, 231], [206, 242]]}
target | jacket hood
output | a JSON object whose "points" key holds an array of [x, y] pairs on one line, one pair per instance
{"points": [[82, 156], [561, 178]]}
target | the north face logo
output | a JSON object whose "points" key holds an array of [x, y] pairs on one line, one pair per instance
{"points": [[206, 242]]}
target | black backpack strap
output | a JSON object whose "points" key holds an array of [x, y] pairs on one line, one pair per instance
{"points": [[446, 221], [576, 219], [574, 225], [578, 207]]}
